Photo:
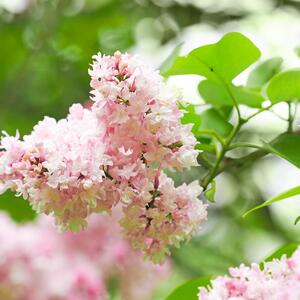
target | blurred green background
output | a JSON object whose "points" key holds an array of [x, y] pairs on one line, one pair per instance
{"points": [[45, 51]]}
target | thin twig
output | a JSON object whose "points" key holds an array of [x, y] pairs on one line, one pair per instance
{"points": [[258, 112]]}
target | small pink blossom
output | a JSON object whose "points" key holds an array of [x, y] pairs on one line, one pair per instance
{"points": [[278, 280]]}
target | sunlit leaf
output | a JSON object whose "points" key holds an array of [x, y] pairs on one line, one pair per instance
{"points": [[218, 94], [206, 147], [221, 61], [184, 65], [262, 73], [287, 250], [190, 289], [191, 117], [284, 86], [290, 193]]}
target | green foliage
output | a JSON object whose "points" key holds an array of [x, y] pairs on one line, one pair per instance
{"points": [[43, 70], [18, 208], [218, 63], [287, 249], [290, 193], [218, 95], [206, 147], [297, 220], [211, 119], [189, 290], [263, 72], [191, 117], [221, 61], [206, 123], [211, 191], [285, 86], [287, 146]]}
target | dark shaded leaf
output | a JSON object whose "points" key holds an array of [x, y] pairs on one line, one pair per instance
{"points": [[297, 220], [211, 119], [287, 146], [18, 208]]}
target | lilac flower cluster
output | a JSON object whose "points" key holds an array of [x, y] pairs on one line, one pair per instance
{"points": [[278, 280], [112, 154]]}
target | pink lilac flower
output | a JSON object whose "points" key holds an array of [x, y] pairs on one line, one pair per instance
{"points": [[157, 216], [144, 136], [278, 280], [59, 167], [37, 263], [32, 268], [141, 115], [111, 154]]}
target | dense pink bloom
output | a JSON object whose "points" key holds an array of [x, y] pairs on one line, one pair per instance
{"points": [[278, 280], [144, 135], [59, 167], [39, 263], [141, 116], [112, 154], [155, 220]]}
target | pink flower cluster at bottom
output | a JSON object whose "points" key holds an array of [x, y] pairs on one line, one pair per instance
{"points": [[38, 263], [278, 280]]}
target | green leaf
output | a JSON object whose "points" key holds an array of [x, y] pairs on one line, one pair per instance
{"points": [[190, 289], [169, 61], [262, 73], [18, 208], [284, 86], [184, 65], [113, 287], [206, 147], [225, 111], [221, 61], [218, 95], [211, 119], [290, 193], [287, 249], [287, 146], [191, 117], [210, 193], [297, 220]]}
